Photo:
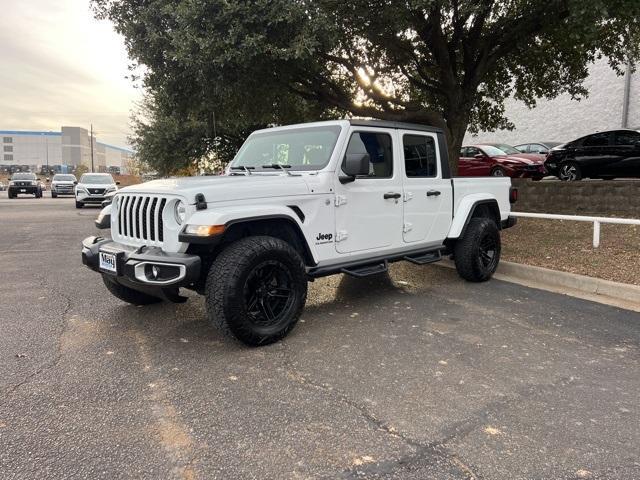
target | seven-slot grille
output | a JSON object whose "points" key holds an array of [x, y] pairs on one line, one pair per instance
{"points": [[140, 218]]}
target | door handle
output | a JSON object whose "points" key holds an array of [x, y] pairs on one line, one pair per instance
{"points": [[391, 195], [433, 193]]}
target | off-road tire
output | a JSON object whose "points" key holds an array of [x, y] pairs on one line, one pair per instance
{"points": [[228, 285], [471, 261], [127, 294], [79, 205]]}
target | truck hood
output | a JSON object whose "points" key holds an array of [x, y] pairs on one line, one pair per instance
{"points": [[224, 188]]}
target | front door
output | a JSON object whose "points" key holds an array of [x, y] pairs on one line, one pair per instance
{"points": [[427, 196], [369, 209]]}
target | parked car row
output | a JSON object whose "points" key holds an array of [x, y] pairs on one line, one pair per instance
{"points": [[92, 188], [606, 155]]}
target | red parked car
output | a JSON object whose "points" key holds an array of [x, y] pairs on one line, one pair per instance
{"points": [[499, 160]]}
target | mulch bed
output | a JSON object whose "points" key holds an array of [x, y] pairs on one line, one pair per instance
{"points": [[567, 246]]}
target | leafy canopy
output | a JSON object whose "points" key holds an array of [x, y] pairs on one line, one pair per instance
{"points": [[449, 63]]}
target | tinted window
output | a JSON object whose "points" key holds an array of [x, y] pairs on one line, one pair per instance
{"points": [[302, 149], [596, 140], [378, 146], [627, 138], [419, 156], [23, 176], [522, 148]]}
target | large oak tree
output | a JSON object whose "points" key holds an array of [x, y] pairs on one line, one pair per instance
{"points": [[216, 69]]}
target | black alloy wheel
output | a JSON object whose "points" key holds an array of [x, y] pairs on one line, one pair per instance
{"points": [[268, 294]]}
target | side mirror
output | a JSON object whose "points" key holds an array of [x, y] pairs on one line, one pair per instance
{"points": [[75, 183], [479, 156], [354, 164], [117, 183]]}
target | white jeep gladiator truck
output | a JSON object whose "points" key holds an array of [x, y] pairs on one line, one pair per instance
{"points": [[298, 202]]}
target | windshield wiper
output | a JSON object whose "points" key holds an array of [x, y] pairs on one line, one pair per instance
{"points": [[244, 168], [279, 166]]}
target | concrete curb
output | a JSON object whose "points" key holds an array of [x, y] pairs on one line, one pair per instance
{"points": [[603, 291]]}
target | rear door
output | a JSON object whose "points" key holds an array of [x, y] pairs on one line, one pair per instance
{"points": [[369, 209], [596, 155], [427, 196]]}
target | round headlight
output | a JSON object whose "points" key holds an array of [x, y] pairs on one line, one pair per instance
{"points": [[180, 211]]}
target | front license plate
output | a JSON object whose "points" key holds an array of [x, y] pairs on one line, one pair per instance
{"points": [[108, 262], [23, 190]]}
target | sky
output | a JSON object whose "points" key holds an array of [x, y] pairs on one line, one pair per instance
{"points": [[61, 66]]}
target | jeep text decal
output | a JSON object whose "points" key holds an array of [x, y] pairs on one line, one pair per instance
{"points": [[324, 238]]}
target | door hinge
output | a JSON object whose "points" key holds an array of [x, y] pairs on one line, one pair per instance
{"points": [[340, 200], [341, 235], [408, 196], [407, 227]]}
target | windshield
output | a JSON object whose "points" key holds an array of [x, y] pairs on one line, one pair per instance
{"points": [[64, 178], [301, 149], [493, 151], [97, 179], [23, 176], [507, 149]]}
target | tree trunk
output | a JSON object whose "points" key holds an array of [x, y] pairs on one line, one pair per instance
{"points": [[456, 129]]}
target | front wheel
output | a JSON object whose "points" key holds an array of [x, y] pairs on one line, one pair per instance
{"points": [[79, 205], [54, 195], [570, 172], [498, 172], [256, 290], [477, 253]]}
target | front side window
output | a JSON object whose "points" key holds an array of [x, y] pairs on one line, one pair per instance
{"points": [[307, 148], [596, 140], [419, 156], [379, 148], [523, 148]]}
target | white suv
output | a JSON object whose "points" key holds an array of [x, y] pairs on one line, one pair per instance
{"points": [[93, 187]]}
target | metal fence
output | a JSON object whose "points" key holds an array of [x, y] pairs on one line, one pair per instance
{"points": [[581, 218]]}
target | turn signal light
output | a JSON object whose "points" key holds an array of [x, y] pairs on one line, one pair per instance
{"points": [[204, 230]]}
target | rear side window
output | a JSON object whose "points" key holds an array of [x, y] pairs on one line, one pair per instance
{"points": [[627, 138], [378, 146], [419, 156], [596, 140]]}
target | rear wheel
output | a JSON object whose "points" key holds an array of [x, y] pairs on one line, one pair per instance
{"points": [[477, 253], [498, 172], [256, 290], [569, 172], [127, 294]]}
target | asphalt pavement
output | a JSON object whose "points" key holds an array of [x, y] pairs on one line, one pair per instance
{"points": [[412, 375]]}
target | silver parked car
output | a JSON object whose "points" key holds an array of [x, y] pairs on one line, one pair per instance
{"points": [[63, 184]]}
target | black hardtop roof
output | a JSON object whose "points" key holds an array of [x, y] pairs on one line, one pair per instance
{"points": [[360, 122]]}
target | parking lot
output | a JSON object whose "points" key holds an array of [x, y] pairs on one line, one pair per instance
{"points": [[415, 375]]}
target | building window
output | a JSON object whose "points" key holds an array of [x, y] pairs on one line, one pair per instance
{"points": [[8, 157], [8, 148], [7, 139]]}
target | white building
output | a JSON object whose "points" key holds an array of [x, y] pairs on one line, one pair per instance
{"points": [[61, 151], [613, 102]]}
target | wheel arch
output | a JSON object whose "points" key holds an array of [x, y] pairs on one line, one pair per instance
{"points": [[478, 208]]}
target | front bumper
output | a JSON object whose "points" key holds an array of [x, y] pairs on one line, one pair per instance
{"points": [[26, 190], [134, 266]]}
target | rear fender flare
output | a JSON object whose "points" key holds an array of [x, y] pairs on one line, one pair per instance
{"points": [[466, 210]]}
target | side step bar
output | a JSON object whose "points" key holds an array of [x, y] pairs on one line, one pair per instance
{"points": [[423, 259], [366, 270]]}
